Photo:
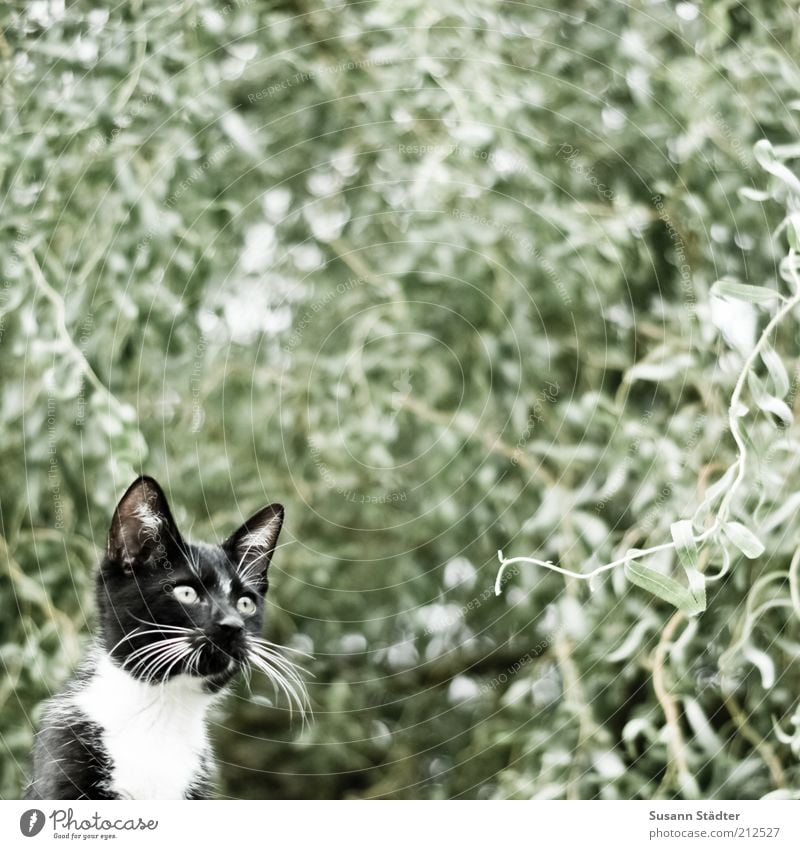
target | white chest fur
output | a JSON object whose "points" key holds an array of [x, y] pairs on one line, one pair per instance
{"points": [[154, 734]]}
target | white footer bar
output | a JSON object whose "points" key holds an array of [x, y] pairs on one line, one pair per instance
{"points": [[404, 825]]}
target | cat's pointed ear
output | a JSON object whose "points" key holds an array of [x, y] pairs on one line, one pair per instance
{"points": [[142, 527], [252, 545]]}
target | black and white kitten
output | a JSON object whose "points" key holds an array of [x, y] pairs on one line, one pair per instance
{"points": [[177, 621]]}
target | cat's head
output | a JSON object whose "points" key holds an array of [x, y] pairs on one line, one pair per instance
{"points": [[168, 606]]}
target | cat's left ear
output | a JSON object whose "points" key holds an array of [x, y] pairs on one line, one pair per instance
{"points": [[252, 545]]}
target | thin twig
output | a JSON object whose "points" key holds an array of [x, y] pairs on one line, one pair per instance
{"points": [[750, 734], [61, 325], [494, 443], [675, 743]]}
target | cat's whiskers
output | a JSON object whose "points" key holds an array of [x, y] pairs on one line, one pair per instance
{"points": [[153, 669], [295, 695], [164, 627], [148, 657], [181, 656], [288, 680], [137, 651], [144, 664], [275, 651], [260, 641], [287, 666], [150, 647], [193, 662], [282, 672], [160, 656], [247, 673], [137, 632], [280, 666]]}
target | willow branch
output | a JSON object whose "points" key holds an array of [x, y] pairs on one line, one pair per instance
{"points": [[734, 414]]}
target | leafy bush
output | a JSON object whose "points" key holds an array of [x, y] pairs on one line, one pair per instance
{"points": [[446, 280]]}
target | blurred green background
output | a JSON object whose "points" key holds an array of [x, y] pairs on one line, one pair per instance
{"points": [[436, 277]]}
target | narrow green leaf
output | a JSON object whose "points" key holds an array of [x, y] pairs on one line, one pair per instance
{"points": [[688, 555], [697, 590], [704, 732], [765, 156], [756, 195], [769, 403], [777, 371], [743, 291], [763, 662], [683, 537], [716, 489], [663, 587], [658, 371], [744, 539], [793, 230], [632, 642]]}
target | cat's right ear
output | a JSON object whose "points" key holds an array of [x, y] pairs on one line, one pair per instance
{"points": [[142, 527], [253, 545]]}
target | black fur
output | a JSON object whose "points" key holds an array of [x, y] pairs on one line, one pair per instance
{"points": [[71, 761]]}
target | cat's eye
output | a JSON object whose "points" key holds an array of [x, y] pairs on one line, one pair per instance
{"points": [[246, 606], [186, 595]]}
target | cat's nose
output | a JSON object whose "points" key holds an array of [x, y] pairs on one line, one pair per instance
{"points": [[231, 625]]}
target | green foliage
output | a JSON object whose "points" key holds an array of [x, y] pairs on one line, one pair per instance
{"points": [[444, 279]]}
